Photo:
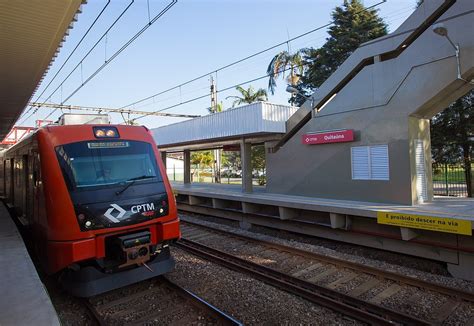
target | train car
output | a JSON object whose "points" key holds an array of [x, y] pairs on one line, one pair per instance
{"points": [[96, 201]]}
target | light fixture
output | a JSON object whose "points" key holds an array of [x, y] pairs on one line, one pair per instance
{"points": [[106, 132], [295, 91], [441, 30]]}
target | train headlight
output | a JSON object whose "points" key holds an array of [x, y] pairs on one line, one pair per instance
{"points": [[110, 133], [88, 224], [100, 133], [106, 132]]}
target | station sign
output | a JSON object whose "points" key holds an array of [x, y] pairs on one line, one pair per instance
{"points": [[328, 137]]}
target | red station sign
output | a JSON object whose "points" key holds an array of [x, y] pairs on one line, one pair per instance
{"points": [[338, 136]]}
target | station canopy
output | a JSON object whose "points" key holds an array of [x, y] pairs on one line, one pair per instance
{"points": [[31, 33], [256, 123]]}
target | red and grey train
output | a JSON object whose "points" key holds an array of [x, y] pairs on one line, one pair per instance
{"points": [[96, 201]]}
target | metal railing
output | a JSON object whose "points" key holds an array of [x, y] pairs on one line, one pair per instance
{"points": [[451, 180]]}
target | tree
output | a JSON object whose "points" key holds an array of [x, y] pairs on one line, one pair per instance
{"points": [[249, 95], [452, 132], [285, 62], [258, 157], [353, 25], [219, 108], [201, 160]]}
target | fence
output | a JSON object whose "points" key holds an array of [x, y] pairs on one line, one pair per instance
{"points": [[450, 180]]}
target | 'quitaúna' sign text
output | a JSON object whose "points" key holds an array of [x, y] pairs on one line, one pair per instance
{"points": [[337, 136]]}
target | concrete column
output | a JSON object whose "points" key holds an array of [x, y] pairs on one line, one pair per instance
{"points": [[163, 158], [419, 130], [187, 166], [245, 158]]}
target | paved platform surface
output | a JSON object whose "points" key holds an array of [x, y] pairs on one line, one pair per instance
{"points": [[23, 299], [460, 208]]}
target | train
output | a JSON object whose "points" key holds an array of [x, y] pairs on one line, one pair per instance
{"points": [[94, 200]]}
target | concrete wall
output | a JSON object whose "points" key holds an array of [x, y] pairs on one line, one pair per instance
{"points": [[387, 102]]}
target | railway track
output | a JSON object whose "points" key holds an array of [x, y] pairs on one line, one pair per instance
{"points": [[327, 280], [158, 301]]}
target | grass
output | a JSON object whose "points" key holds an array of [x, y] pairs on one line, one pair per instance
{"points": [[455, 174]]}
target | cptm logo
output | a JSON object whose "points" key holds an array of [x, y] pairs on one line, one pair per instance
{"points": [[117, 217], [143, 208]]}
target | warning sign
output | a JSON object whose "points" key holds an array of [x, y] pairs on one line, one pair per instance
{"points": [[440, 224]]}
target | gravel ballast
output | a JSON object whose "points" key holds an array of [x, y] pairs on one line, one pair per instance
{"points": [[247, 299], [415, 267]]}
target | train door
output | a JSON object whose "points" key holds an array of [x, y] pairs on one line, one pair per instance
{"points": [[30, 194], [18, 182], [11, 185], [2, 174], [36, 188], [24, 189], [7, 179]]}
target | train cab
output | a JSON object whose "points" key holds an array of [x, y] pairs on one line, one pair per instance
{"points": [[96, 201]]}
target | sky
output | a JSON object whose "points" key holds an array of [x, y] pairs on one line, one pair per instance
{"points": [[192, 39]]}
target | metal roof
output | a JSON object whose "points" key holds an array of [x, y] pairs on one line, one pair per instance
{"points": [[258, 119], [30, 34]]}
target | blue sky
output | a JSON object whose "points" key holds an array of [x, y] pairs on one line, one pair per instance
{"points": [[191, 39]]}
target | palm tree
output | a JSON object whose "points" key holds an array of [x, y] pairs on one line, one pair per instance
{"points": [[249, 95], [219, 108], [283, 62]]}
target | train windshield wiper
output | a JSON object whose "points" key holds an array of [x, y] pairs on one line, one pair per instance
{"points": [[131, 181]]}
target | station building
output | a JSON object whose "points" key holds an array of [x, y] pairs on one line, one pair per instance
{"points": [[353, 163]]}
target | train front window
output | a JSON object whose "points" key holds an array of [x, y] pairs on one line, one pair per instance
{"points": [[100, 163]]}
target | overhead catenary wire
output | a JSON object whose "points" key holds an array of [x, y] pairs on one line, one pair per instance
{"points": [[90, 50], [84, 57], [206, 95], [130, 41], [161, 13], [224, 67], [70, 54], [245, 58]]}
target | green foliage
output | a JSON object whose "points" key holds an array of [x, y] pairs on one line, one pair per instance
{"points": [[452, 131], [262, 180], [219, 108], [258, 157], [202, 158], [233, 161], [353, 25], [282, 63], [248, 95]]}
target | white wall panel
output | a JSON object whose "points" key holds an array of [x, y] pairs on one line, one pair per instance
{"points": [[260, 117]]}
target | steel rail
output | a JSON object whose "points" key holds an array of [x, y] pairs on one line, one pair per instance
{"points": [[399, 278], [200, 304], [334, 300], [95, 314], [219, 315]]}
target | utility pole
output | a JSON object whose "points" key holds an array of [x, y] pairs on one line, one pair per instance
{"points": [[217, 152], [213, 95]]}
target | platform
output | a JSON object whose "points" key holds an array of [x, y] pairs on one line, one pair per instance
{"points": [[459, 208], [438, 230], [24, 299]]}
